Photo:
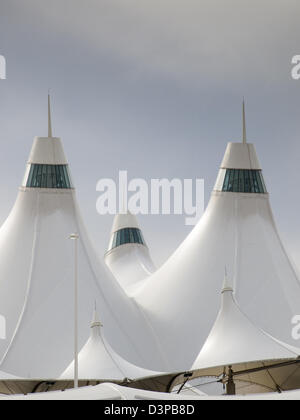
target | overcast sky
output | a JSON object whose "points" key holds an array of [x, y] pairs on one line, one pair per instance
{"points": [[155, 88]]}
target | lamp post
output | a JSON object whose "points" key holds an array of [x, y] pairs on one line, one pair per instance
{"points": [[75, 238]]}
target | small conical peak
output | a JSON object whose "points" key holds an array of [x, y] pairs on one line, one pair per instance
{"points": [[241, 155], [96, 321], [47, 150], [49, 117], [227, 284], [228, 342], [244, 124], [122, 221]]}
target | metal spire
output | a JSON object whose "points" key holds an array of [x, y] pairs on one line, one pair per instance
{"points": [[96, 322], [227, 285], [244, 124], [49, 117]]}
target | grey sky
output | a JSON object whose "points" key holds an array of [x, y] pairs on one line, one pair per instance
{"points": [[154, 87]]}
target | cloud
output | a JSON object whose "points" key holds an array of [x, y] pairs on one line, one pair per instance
{"points": [[187, 40], [214, 50]]}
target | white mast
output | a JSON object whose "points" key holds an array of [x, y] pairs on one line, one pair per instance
{"points": [[244, 124], [49, 117], [75, 238]]}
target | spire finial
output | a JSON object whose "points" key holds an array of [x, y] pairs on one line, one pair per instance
{"points": [[227, 286], [96, 322], [49, 116], [244, 123]]}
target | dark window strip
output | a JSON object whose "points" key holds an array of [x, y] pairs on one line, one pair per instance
{"points": [[244, 181], [48, 176], [127, 236]]}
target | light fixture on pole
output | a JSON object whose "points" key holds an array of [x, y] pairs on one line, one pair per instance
{"points": [[75, 238]]}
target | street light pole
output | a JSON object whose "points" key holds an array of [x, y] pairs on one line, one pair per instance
{"points": [[75, 238]]}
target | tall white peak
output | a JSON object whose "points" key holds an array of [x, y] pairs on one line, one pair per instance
{"points": [[47, 150], [241, 155], [237, 230], [37, 277]]}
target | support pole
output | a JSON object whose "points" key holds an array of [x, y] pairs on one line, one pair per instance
{"points": [[230, 385], [75, 238]]}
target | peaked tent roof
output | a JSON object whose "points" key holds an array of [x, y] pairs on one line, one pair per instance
{"points": [[235, 341], [98, 361], [237, 229], [128, 256], [109, 391], [124, 220], [37, 278]]}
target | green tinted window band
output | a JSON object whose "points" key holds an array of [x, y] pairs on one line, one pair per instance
{"points": [[127, 236], [244, 181], [48, 176]]}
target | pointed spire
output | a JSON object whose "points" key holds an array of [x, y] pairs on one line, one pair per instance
{"points": [[123, 204], [96, 322], [244, 123], [227, 286], [49, 117]]}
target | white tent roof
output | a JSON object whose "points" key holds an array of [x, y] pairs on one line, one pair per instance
{"points": [[130, 263], [109, 391], [6, 376], [48, 151], [124, 220], [98, 361], [240, 156], [155, 329], [235, 341], [237, 230], [37, 283]]}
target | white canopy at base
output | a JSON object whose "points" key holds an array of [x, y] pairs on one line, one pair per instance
{"points": [[110, 391], [98, 361], [235, 342], [128, 256]]}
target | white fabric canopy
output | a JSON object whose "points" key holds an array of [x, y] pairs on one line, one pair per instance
{"points": [[235, 341], [37, 284], [98, 361], [110, 391], [162, 324], [237, 230], [130, 263]]}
